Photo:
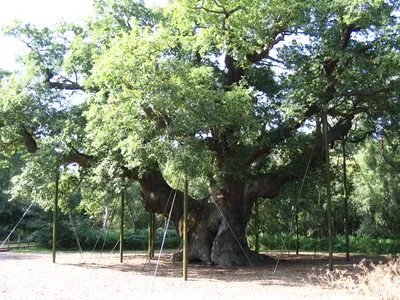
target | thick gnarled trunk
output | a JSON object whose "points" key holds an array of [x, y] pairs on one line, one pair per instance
{"points": [[217, 224]]}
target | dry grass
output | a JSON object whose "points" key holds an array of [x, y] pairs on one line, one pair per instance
{"points": [[378, 281]]}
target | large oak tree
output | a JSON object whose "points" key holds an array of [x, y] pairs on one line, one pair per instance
{"points": [[228, 92]]}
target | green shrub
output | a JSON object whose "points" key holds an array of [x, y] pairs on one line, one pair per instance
{"points": [[358, 244]]}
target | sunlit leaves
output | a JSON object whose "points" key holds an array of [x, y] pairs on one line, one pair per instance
{"points": [[343, 56], [157, 90], [377, 188]]}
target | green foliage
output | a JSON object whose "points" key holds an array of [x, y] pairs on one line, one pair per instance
{"points": [[37, 227], [156, 89], [377, 189], [358, 244]]}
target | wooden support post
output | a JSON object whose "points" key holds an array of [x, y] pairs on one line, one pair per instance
{"points": [[297, 230], [55, 215], [153, 236], [121, 227], [328, 191], [150, 246], [149, 257], [185, 231], [346, 199], [257, 226]]}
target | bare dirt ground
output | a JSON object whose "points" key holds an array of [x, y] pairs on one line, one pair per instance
{"points": [[101, 276]]}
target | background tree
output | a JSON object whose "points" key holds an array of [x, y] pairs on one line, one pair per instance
{"points": [[376, 190]]}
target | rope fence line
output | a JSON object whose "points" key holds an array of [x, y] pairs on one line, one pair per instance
{"points": [[290, 229], [105, 227], [163, 241], [20, 220], [154, 238], [106, 234], [78, 243]]}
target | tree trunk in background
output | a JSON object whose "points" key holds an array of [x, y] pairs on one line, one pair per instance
{"points": [[217, 224]]}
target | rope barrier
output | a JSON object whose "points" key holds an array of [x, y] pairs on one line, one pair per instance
{"points": [[78, 243], [290, 229], [16, 225], [106, 235], [97, 241], [154, 238], [163, 241], [115, 246], [102, 230]]}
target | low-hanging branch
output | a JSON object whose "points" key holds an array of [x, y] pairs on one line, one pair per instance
{"points": [[256, 57]]}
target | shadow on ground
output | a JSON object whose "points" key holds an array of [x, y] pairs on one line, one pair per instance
{"points": [[288, 269]]}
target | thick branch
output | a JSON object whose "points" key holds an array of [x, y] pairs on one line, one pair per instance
{"points": [[346, 34], [129, 173], [360, 50], [370, 93], [269, 185], [163, 122], [66, 86], [235, 74], [363, 48], [280, 134], [256, 154], [29, 141], [158, 196], [223, 12], [81, 159], [276, 137], [263, 53], [265, 186], [345, 65]]}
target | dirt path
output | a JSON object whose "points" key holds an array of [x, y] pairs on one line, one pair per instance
{"points": [[34, 276]]}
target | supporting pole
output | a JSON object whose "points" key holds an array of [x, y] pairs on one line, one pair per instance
{"points": [[153, 236], [346, 199], [150, 252], [257, 226], [185, 231], [297, 231], [149, 257], [121, 227], [328, 191], [55, 215]]}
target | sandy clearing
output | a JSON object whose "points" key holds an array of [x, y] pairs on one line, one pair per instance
{"points": [[34, 276]]}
